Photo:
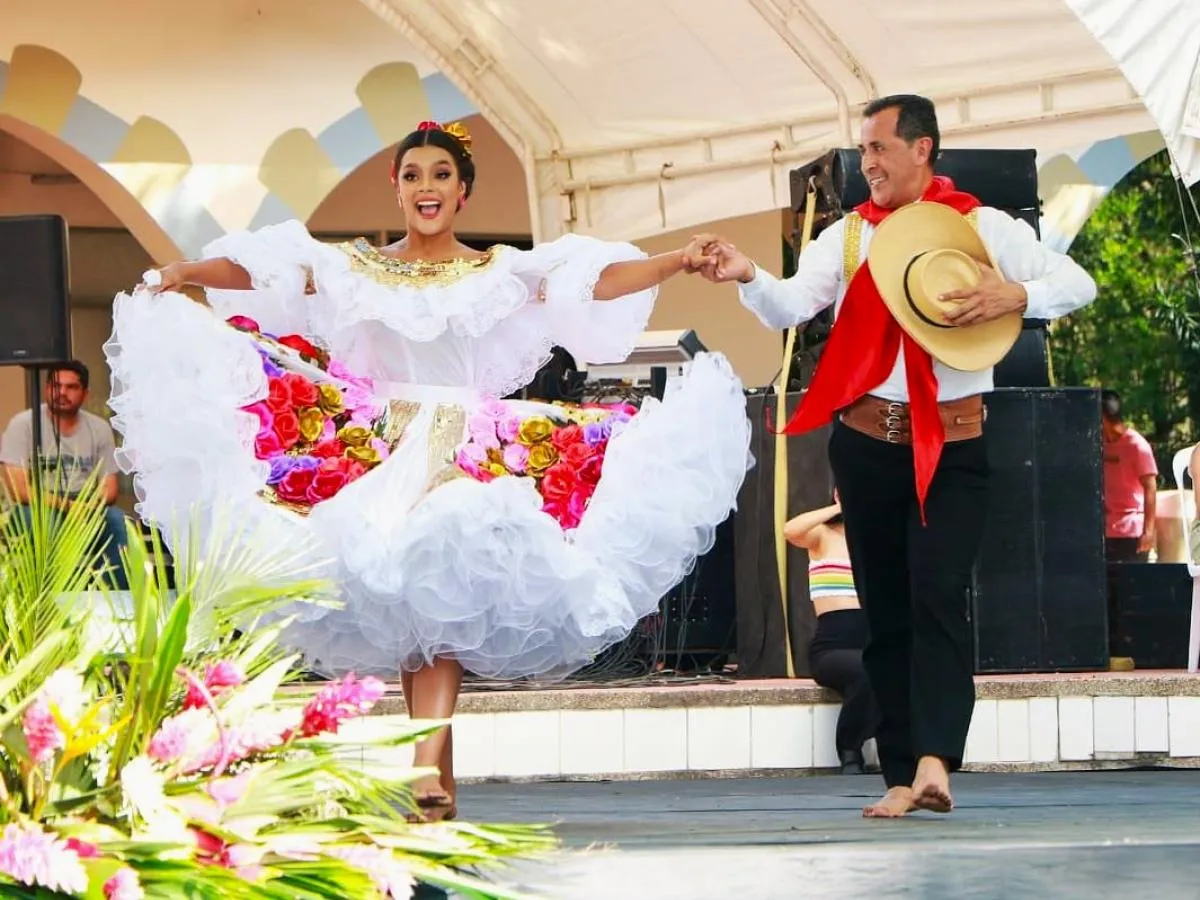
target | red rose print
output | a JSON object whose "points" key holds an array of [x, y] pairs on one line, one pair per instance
{"points": [[325, 484], [295, 485], [558, 482], [303, 392], [287, 429], [565, 437], [279, 398], [300, 345]]}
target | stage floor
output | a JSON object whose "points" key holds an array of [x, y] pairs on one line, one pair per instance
{"points": [[1047, 835]]}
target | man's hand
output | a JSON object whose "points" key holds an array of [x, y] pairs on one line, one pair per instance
{"points": [[990, 299], [1146, 541]]}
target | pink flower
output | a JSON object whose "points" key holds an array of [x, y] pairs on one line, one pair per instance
{"points": [[266, 418], [391, 877], [261, 733], [42, 734], [83, 849], [380, 446], [464, 461], [482, 430], [340, 700], [494, 409], [124, 885], [32, 857], [170, 742], [267, 444], [230, 791], [216, 678], [515, 458], [223, 675], [508, 428]]}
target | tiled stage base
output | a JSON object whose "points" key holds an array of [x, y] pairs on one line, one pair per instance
{"points": [[1021, 722]]}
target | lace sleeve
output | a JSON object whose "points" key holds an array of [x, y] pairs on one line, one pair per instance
{"points": [[563, 274], [280, 259]]}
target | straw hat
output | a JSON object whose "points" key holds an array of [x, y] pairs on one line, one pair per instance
{"points": [[920, 252]]}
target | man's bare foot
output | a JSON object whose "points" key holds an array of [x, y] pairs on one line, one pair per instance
{"points": [[931, 787], [896, 803]]}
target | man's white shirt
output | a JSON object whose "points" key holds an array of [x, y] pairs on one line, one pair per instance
{"points": [[1055, 283]]}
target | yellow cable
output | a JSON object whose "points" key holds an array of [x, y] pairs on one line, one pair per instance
{"points": [[781, 460]]}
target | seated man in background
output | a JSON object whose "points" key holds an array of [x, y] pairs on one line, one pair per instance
{"points": [[75, 443]]}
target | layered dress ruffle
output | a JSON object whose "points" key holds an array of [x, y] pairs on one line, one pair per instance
{"points": [[429, 562]]}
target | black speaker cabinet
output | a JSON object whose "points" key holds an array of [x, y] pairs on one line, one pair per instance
{"points": [[1005, 179], [1151, 612], [34, 291], [1039, 598], [760, 641]]}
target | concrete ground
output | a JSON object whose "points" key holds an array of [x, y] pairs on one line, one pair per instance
{"points": [[1132, 834]]}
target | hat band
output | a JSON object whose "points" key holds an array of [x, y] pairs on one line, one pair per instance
{"points": [[909, 297]]}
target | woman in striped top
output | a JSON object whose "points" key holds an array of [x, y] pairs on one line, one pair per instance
{"points": [[835, 654]]}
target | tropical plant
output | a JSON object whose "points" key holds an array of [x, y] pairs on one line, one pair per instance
{"points": [[151, 748], [1141, 336]]}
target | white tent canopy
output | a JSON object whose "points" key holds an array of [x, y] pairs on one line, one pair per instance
{"points": [[637, 117]]}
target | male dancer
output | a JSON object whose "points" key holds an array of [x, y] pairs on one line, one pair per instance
{"points": [[914, 530]]}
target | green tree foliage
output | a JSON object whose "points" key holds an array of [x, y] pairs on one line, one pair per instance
{"points": [[1141, 337]]}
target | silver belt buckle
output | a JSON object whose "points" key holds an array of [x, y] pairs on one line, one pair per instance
{"points": [[892, 437]]}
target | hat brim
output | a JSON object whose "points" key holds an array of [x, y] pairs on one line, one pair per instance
{"points": [[918, 228]]}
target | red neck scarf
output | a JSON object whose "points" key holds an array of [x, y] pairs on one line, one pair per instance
{"points": [[847, 370]]}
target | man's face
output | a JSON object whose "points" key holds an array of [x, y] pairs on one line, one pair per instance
{"points": [[65, 393], [897, 172]]}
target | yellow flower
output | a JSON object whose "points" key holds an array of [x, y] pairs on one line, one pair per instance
{"points": [[541, 457], [312, 423], [366, 455], [354, 436], [534, 430], [331, 399], [496, 469]]}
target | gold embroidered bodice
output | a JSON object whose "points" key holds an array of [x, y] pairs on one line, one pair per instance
{"points": [[386, 270]]}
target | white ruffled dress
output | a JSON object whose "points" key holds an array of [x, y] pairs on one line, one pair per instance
{"points": [[472, 570]]}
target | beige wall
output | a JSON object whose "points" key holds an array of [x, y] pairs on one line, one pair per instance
{"points": [[713, 310]]}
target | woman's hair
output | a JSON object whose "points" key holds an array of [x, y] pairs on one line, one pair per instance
{"points": [[429, 134]]}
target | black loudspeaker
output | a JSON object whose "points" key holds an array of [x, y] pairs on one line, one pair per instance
{"points": [[1151, 612], [698, 620], [1039, 600], [760, 641], [35, 291], [1005, 179]]}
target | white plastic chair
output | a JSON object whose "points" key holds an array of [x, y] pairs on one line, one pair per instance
{"points": [[1180, 465]]}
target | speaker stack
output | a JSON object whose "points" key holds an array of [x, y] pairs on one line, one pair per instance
{"points": [[35, 301]]}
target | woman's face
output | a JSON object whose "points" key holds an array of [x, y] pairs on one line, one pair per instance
{"points": [[428, 189]]}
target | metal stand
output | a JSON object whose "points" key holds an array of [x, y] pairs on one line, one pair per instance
{"points": [[33, 396]]}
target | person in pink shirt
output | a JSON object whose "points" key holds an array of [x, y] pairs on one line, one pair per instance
{"points": [[1130, 486]]}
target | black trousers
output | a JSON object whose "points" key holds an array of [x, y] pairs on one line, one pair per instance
{"points": [[836, 661], [914, 583]]}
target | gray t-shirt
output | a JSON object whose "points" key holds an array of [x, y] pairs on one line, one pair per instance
{"points": [[67, 460]]}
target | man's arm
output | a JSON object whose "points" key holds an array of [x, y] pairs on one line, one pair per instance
{"points": [[1149, 528], [1055, 285], [17, 482], [782, 303]]}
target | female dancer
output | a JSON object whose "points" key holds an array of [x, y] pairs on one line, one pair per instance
{"points": [[835, 654], [510, 540]]}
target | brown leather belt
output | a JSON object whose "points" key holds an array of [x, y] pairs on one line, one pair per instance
{"points": [[890, 421]]}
